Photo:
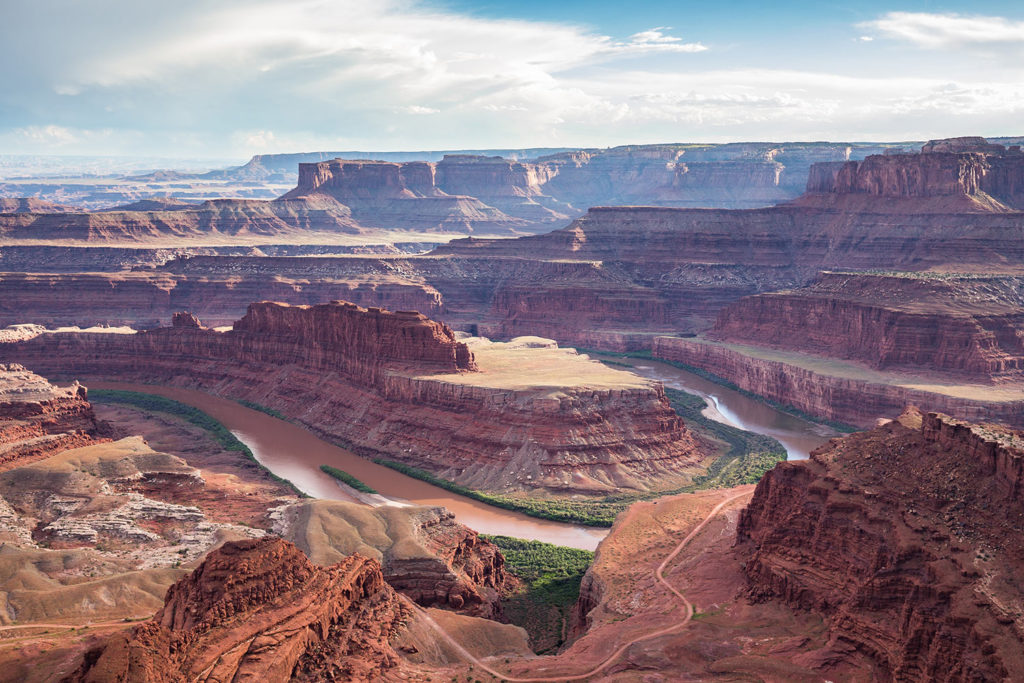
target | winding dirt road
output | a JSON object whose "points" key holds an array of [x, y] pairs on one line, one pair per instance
{"points": [[659, 573]]}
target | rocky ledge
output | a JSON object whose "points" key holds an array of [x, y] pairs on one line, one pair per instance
{"points": [[962, 325], [965, 174], [908, 540], [38, 419], [401, 386], [836, 390], [259, 610]]}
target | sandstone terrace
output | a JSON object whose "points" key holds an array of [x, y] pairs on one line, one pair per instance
{"points": [[583, 428], [963, 326], [839, 390]]}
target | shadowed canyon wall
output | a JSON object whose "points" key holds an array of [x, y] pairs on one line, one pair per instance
{"points": [[906, 539]]}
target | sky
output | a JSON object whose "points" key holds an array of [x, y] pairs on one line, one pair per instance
{"points": [[232, 78]]}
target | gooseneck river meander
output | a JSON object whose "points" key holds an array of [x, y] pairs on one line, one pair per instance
{"points": [[296, 454]]}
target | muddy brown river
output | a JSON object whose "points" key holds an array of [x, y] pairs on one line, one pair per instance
{"points": [[296, 454]]}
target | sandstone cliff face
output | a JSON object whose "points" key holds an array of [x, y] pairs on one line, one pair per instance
{"points": [[850, 400], [375, 386], [961, 174], [906, 539], [228, 217], [38, 419], [357, 342], [260, 610], [401, 195], [614, 276], [145, 300], [965, 326]]}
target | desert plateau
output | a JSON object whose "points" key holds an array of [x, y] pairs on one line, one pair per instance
{"points": [[446, 340]]}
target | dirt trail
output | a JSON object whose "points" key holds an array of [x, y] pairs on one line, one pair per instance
{"points": [[658, 573]]}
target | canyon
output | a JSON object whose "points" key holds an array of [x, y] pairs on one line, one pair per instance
{"points": [[855, 346], [96, 529], [614, 278], [883, 277], [520, 415], [834, 390], [927, 510], [926, 541]]}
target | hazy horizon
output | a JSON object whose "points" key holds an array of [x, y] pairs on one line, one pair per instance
{"points": [[230, 79]]}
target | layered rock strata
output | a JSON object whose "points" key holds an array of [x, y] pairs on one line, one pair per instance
{"points": [[959, 174], [970, 327], [829, 389], [38, 419], [233, 218], [391, 195], [400, 385], [907, 540], [261, 610], [121, 499], [615, 276]]}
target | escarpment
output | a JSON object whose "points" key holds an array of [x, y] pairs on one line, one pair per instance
{"points": [[403, 195], [960, 174], [836, 390], [218, 217], [907, 539], [38, 419], [400, 386], [616, 276], [967, 326], [260, 610]]}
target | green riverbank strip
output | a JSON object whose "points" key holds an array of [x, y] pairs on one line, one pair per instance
{"points": [[551, 576], [263, 409], [746, 458], [221, 434], [721, 381], [593, 512], [345, 477]]}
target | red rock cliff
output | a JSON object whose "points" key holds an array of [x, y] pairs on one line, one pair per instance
{"points": [[907, 540], [398, 385], [38, 419], [401, 195], [965, 174], [854, 400], [259, 610], [355, 341], [967, 326]]}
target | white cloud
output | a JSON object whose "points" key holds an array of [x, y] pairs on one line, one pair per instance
{"points": [[244, 76], [419, 110], [947, 30], [259, 140], [50, 135]]}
